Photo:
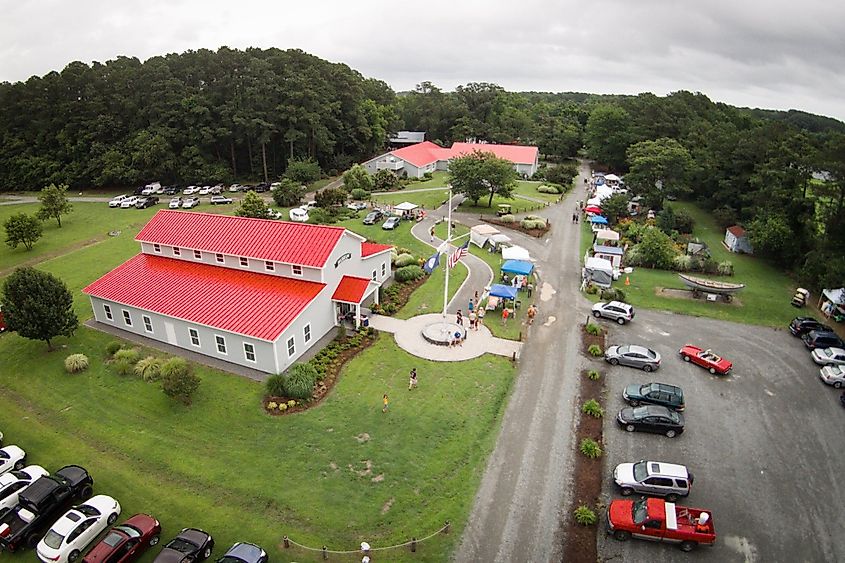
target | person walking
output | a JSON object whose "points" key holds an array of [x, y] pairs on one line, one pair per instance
{"points": [[532, 312], [471, 305], [472, 320], [431, 233], [412, 383], [386, 403], [459, 318], [505, 314], [480, 318]]}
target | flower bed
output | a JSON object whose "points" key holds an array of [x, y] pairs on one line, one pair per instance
{"points": [[537, 233], [394, 299]]}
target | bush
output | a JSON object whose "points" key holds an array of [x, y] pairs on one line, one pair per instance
{"points": [[595, 350], [113, 347], [612, 294], [726, 268], [532, 223], [76, 363], [594, 375], [507, 219], [682, 263], [123, 367], [684, 221], [592, 408], [428, 176], [130, 355], [546, 189], [592, 290], [149, 369], [300, 381], [403, 260], [174, 366], [585, 516], [408, 273], [360, 194], [275, 385], [590, 448], [593, 328], [178, 383]]}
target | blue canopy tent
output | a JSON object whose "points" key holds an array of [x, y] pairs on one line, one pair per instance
{"points": [[519, 267], [503, 291], [598, 219]]}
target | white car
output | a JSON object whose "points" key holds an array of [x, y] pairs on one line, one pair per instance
{"points": [[357, 206], [129, 202], [116, 200], [190, 190], [299, 215], [833, 375], [829, 356], [309, 205], [74, 531], [13, 482], [235, 188], [190, 202], [175, 203], [11, 457], [205, 190], [273, 214]]}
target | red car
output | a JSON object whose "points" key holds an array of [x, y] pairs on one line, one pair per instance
{"points": [[706, 359], [126, 542], [655, 519]]}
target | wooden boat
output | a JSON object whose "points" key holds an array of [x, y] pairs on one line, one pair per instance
{"points": [[710, 286]]}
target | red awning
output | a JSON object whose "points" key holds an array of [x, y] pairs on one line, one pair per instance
{"points": [[351, 289]]}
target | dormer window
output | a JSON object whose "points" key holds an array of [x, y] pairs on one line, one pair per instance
{"points": [[269, 266], [157, 248], [244, 262], [177, 251], [296, 270], [197, 255]]}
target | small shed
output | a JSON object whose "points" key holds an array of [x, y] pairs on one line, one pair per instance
{"points": [[598, 271], [479, 234], [698, 249], [832, 303], [736, 240], [611, 253]]}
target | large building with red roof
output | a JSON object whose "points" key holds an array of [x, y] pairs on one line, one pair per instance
{"points": [[253, 292], [416, 160]]}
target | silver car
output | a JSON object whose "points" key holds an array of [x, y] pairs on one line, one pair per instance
{"points": [[614, 310], [833, 375], [655, 478], [829, 356], [633, 356]]}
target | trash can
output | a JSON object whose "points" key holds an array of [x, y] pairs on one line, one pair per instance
{"points": [[365, 321]]}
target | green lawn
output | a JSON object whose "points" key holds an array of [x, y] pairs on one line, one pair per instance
{"points": [[428, 200], [438, 179], [529, 189], [518, 205]]}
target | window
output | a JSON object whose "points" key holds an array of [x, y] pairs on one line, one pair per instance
{"points": [[107, 309], [659, 482], [269, 266], [374, 275], [291, 347], [219, 258], [244, 262], [148, 323], [127, 318], [157, 248], [177, 251], [221, 343], [307, 333], [383, 268], [195, 336], [197, 255], [296, 270], [249, 352]]}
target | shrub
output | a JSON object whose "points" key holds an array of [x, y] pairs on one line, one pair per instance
{"points": [[592, 408], [130, 355], [594, 375], [403, 260], [359, 193], [590, 448], [612, 294], [283, 407], [593, 328], [682, 263], [113, 347], [390, 308], [684, 221], [592, 290], [275, 385], [546, 189], [726, 268], [76, 363], [594, 350], [507, 219], [123, 367], [149, 369], [341, 332], [179, 384], [173, 366], [272, 405], [428, 175], [532, 223], [585, 516], [408, 273], [300, 381]]}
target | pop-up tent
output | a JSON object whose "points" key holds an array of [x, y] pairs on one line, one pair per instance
{"points": [[503, 291], [598, 219], [499, 240], [480, 234], [606, 234], [594, 209], [599, 271], [519, 267], [516, 253], [405, 206]]}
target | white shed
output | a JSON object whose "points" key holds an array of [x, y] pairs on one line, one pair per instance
{"points": [[736, 240]]}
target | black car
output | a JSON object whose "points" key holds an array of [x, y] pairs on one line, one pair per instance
{"points": [[192, 544], [651, 418], [822, 339], [373, 216], [802, 325], [170, 190], [243, 552], [147, 201], [655, 394], [138, 190], [261, 188]]}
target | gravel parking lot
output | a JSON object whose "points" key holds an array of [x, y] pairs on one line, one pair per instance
{"points": [[765, 444]]}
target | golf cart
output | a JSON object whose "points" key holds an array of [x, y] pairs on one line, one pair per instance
{"points": [[504, 209]]}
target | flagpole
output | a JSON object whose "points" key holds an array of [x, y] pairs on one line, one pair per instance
{"points": [[448, 240]]}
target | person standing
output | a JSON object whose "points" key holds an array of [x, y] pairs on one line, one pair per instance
{"points": [[412, 383], [459, 318], [472, 320], [386, 403], [431, 233], [470, 306], [530, 287], [480, 318], [532, 312], [505, 315]]}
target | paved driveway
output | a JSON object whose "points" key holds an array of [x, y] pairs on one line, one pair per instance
{"points": [[765, 443]]}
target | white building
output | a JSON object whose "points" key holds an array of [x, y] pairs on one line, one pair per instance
{"points": [[253, 292]]}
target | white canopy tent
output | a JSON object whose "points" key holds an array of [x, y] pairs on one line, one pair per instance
{"points": [[516, 253], [606, 234], [405, 206], [612, 177], [500, 239], [479, 234]]}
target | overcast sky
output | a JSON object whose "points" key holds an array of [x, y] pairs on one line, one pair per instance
{"points": [[759, 53]]}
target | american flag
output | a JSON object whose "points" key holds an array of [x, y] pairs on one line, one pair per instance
{"points": [[458, 254]]}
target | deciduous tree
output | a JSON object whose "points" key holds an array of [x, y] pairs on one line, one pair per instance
{"points": [[252, 206], [303, 170], [482, 174], [22, 229], [38, 305], [288, 194], [54, 203], [357, 178], [657, 169]]}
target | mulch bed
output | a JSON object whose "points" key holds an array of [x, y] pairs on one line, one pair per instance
{"points": [[401, 298], [537, 233], [580, 541]]}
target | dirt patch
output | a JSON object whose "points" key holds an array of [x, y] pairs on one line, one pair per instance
{"points": [[394, 299], [536, 233], [387, 506], [366, 472], [588, 340], [362, 438]]}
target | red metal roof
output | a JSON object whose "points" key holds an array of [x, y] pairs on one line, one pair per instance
{"points": [[351, 289], [423, 153], [264, 239], [737, 231], [248, 303], [370, 248], [518, 154]]}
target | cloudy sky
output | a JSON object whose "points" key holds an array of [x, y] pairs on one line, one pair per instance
{"points": [[760, 53]]}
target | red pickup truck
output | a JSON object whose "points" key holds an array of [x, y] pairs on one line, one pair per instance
{"points": [[654, 519]]}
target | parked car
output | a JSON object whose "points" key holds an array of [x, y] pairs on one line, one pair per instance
{"points": [[216, 190], [664, 394], [243, 552], [634, 356], [615, 311], [829, 356], [129, 202], [357, 206], [273, 214], [190, 202], [653, 478], [139, 190], [651, 418], [220, 200], [308, 205], [117, 200], [235, 188], [298, 214], [373, 216], [191, 545], [833, 375], [802, 325], [262, 187], [11, 457], [170, 190], [205, 190], [391, 223], [706, 359], [15, 481], [145, 202], [127, 541], [657, 520], [175, 203], [79, 526], [822, 339], [191, 190]]}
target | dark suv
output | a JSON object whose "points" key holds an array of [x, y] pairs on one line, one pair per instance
{"points": [[654, 394], [803, 325], [822, 339]]}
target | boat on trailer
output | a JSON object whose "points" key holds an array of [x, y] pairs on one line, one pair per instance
{"points": [[710, 286]]}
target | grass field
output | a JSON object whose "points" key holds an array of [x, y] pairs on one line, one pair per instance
{"points": [[528, 188], [428, 200], [517, 205]]}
